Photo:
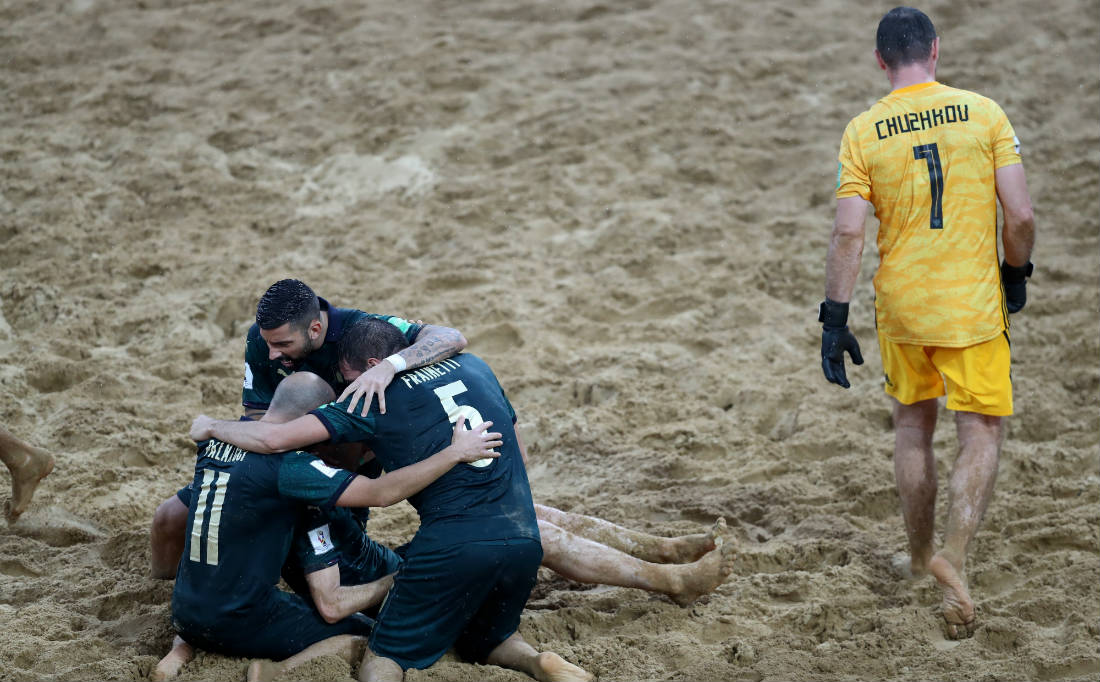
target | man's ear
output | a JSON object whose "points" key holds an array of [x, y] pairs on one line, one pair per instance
{"points": [[314, 329], [371, 362], [878, 58]]}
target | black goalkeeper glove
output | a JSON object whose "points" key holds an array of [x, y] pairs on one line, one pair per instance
{"points": [[1015, 281], [835, 339]]}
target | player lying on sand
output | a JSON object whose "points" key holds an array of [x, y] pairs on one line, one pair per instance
{"points": [[28, 466], [470, 567], [239, 526]]}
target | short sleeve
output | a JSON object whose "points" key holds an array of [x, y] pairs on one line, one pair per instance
{"points": [[259, 384], [306, 478], [345, 427], [852, 178], [314, 545], [1006, 146], [410, 329]]}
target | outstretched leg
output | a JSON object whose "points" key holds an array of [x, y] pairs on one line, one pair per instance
{"points": [[971, 489], [648, 547], [28, 466], [915, 471], [517, 654], [348, 647], [585, 561], [169, 666]]}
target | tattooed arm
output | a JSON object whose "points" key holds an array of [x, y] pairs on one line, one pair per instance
{"points": [[432, 344]]}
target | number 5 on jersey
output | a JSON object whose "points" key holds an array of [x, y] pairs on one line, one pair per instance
{"points": [[446, 395]]}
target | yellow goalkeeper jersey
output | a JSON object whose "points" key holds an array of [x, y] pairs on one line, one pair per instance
{"points": [[925, 156]]}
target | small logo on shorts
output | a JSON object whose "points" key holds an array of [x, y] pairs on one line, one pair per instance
{"points": [[886, 377], [318, 539]]}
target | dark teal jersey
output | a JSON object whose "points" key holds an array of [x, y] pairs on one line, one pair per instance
{"points": [[239, 527], [262, 375], [486, 500]]}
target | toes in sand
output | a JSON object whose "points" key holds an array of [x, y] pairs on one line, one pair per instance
{"points": [[554, 668], [706, 574], [958, 608]]}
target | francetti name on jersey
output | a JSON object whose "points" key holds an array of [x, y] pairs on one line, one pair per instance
{"points": [[432, 371], [952, 113], [224, 452]]}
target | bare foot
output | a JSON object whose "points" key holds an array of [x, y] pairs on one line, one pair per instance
{"points": [[263, 671], [24, 480], [691, 581], [554, 668], [958, 609], [688, 548], [170, 665], [908, 567]]}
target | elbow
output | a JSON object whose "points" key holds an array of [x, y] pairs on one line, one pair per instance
{"points": [[460, 342], [329, 613]]}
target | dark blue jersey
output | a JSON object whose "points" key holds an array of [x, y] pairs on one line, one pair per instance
{"points": [[262, 375], [487, 500], [239, 527]]}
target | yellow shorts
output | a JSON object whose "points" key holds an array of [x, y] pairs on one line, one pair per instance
{"points": [[975, 378]]}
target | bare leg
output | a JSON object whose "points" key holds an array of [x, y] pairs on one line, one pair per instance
{"points": [[915, 471], [347, 647], [642, 545], [166, 538], [586, 561], [517, 654], [378, 669], [28, 466], [169, 666], [971, 489]]}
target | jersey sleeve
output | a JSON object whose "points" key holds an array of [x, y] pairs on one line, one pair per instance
{"points": [[1006, 146], [259, 383], [345, 427], [852, 178], [306, 478], [314, 545]]}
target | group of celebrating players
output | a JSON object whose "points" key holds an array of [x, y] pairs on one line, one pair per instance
{"points": [[333, 397]]}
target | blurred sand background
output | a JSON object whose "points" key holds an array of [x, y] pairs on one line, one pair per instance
{"points": [[625, 206]]}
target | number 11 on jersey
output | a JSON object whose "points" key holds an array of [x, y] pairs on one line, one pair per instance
{"points": [[446, 395], [931, 154]]}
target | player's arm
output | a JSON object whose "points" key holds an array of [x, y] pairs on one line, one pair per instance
{"points": [[433, 343], [841, 273], [394, 486], [335, 601], [1018, 234], [262, 437]]}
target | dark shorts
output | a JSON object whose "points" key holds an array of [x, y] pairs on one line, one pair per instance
{"points": [[376, 561], [469, 596], [280, 627]]}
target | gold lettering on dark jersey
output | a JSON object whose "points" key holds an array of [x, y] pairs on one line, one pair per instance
{"points": [[224, 452], [429, 372], [924, 120]]}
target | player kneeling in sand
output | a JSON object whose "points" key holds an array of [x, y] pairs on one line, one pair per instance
{"points": [[470, 568], [239, 527], [346, 572], [28, 465]]}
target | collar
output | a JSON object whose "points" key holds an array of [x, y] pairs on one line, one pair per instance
{"points": [[913, 88]]}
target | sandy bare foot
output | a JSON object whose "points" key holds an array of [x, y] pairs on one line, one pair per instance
{"points": [[263, 671], [170, 665], [692, 581], [905, 567], [688, 548], [554, 668], [958, 609], [25, 479]]}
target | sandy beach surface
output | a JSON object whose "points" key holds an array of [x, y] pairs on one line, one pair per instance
{"points": [[625, 206]]}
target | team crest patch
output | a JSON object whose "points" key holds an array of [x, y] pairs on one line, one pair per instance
{"points": [[247, 376], [319, 538], [324, 468]]}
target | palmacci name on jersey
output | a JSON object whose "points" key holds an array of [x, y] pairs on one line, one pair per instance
{"points": [[432, 371], [224, 452]]}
